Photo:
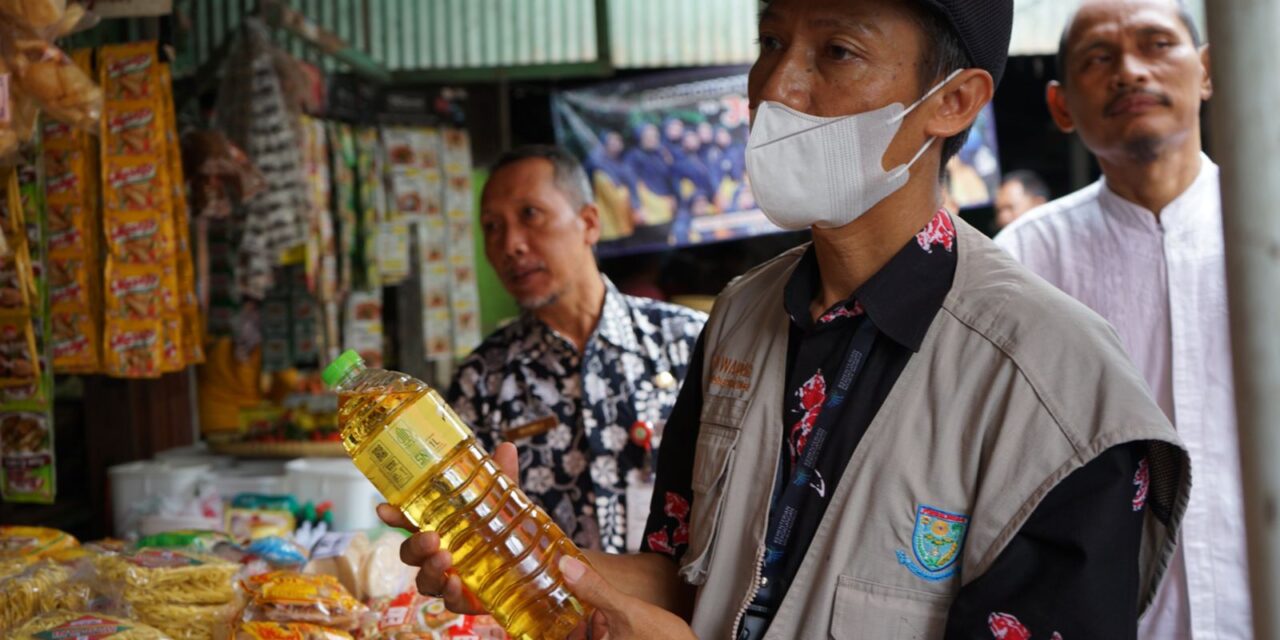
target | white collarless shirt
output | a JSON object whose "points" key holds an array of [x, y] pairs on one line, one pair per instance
{"points": [[1161, 282]]}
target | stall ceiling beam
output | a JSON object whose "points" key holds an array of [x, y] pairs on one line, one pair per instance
{"points": [[487, 74], [293, 22]]}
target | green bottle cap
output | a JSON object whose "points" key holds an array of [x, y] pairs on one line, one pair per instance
{"points": [[338, 369]]}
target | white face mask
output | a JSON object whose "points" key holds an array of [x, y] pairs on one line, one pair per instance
{"points": [[806, 170]]}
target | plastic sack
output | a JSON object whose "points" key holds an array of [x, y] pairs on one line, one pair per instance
{"points": [[72, 624], [48, 75], [48, 19], [284, 596]]}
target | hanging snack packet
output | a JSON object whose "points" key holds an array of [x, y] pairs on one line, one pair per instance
{"points": [[132, 128], [69, 284], [139, 237], [171, 352], [73, 342], [26, 454], [140, 290], [135, 184], [128, 71], [19, 360], [132, 348]]}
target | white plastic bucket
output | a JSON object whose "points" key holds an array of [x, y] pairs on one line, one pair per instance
{"points": [[233, 481], [336, 480], [198, 453], [147, 487]]}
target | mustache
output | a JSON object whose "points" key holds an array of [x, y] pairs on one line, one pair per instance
{"points": [[511, 271], [1114, 103]]}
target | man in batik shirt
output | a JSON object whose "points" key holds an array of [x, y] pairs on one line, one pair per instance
{"points": [[583, 381]]}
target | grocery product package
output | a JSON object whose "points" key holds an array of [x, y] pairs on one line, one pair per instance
{"points": [[41, 71], [413, 616], [187, 594], [43, 587], [165, 576], [286, 596], [33, 542], [77, 625], [287, 631]]}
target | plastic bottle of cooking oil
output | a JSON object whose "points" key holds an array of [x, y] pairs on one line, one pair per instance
{"points": [[424, 460]]}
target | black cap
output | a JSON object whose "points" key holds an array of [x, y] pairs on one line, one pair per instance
{"points": [[984, 27]]}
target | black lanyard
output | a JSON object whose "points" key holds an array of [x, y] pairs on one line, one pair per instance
{"points": [[785, 510]]}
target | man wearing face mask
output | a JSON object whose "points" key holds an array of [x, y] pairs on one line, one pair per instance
{"points": [[1143, 247], [895, 431]]}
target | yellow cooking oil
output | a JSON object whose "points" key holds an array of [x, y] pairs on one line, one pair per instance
{"points": [[404, 437]]}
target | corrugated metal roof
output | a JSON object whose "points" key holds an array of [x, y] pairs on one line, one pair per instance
{"points": [[429, 35], [407, 35]]}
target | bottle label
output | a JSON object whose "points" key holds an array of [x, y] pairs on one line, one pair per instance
{"points": [[417, 440]]}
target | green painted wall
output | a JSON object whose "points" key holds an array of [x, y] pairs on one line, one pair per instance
{"points": [[496, 305]]}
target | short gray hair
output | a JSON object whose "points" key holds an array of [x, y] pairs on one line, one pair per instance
{"points": [[568, 173]]}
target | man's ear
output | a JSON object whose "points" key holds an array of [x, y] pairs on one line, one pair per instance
{"points": [[590, 215], [1206, 83], [962, 100], [1056, 97]]}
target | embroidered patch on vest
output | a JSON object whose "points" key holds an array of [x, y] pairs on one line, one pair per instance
{"points": [[936, 542]]}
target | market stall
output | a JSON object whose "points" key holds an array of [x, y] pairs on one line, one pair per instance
{"points": [[145, 236]]}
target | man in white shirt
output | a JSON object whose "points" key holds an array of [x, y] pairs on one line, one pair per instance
{"points": [[1143, 247]]}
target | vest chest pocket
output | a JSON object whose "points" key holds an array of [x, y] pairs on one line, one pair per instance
{"points": [[865, 610], [711, 462]]}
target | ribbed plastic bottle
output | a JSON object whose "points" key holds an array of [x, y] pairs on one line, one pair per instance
{"points": [[419, 454]]}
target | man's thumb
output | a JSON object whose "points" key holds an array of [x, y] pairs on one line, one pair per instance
{"points": [[585, 583]]}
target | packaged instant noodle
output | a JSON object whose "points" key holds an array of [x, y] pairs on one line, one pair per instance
{"points": [[187, 621], [43, 587], [287, 631], [84, 626], [285, 596], [164, 576]]}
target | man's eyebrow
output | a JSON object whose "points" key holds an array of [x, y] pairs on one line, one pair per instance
{"points": [[841, 23], [767, 14]]}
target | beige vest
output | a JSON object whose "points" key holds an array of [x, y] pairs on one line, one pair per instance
{"points": [[1015, 386]]}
